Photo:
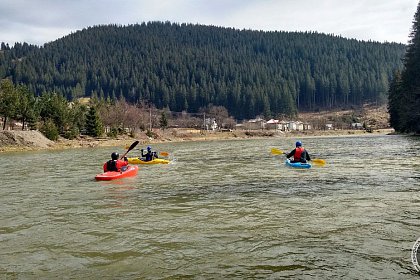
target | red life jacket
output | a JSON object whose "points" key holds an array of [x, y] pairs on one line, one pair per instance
{"points": [[114, 165], [298, 153]]}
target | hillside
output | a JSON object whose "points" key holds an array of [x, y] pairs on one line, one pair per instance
{"points": [[371, 116], [186, 67]]}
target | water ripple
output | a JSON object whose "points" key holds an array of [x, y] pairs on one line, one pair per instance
{"points": [[221, 210]]}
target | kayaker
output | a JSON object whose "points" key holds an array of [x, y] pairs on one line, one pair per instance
{"points": [[115, 164], [149, 155], [299, 153]]}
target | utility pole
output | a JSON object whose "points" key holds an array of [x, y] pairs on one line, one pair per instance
{"points": [[150, 118]]}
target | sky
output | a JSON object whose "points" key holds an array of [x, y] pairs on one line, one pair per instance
{"points": [[41, 21]]}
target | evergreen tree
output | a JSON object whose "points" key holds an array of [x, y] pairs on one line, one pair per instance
{"points": [[8, 101], [94, 125], [395, 107], [54, 106], [404, 97], [50, 130], [163, 121], [77, 120], [26, 107]]}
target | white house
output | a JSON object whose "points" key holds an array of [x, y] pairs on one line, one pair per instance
{"points": [[211, 124], [283, 126], [307, 126], [257, 123], [272, 124], [357, 126], [295, 125]]}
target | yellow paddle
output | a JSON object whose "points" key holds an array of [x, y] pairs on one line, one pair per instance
{"points": [[317, 161], [275, 151], [164, 154]]}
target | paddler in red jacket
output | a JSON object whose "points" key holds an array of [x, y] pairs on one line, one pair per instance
{"points": [[299, 154], [115, 164]]}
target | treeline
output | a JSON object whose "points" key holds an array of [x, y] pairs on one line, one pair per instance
{"points": [[404, 90], [53, 115], [184, 67], [50, 113]]}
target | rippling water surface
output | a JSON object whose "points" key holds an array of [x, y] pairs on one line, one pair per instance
{"points": [[221, 210]]}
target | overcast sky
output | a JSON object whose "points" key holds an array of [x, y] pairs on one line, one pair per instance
{"points": [[41, 21]]}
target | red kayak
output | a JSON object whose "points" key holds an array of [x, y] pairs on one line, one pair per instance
{"points": [[112, 175]]}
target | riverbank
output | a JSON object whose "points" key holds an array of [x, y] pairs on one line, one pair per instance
{"points": [[14, 140]]}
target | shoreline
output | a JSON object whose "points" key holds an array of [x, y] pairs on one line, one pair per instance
{"points": [[20, 141]]}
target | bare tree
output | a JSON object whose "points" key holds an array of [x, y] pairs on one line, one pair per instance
{"points": [[219, 113]]}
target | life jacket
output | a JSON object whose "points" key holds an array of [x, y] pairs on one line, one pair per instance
{"points": [[298, 153], [111, 165], [149, 156]]}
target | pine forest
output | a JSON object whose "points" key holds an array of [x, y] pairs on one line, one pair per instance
{"points": [[404, 90], [185, 67]]}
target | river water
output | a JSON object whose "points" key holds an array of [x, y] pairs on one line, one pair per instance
{"points": [[220, 210]]}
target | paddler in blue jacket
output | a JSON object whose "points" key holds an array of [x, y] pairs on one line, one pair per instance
{"points": [[299, 153], [149, 155]]}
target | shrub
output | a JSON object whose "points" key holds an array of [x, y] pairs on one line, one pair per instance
{"points": [[113, 132], [50, 130], [71, 133]]}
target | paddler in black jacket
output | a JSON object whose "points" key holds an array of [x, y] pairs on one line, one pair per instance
{"points": [[299, 153]]}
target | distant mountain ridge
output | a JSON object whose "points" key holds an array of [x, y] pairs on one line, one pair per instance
{"points": [[184, 67]]}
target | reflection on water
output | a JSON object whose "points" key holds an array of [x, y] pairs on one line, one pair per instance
{"points": [[221, 210]]}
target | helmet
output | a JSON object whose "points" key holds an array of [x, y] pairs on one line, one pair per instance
{"points": [[149, 148], [298, 144], [115, 156]]}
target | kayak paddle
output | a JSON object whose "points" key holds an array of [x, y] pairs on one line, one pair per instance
{"points": [[164, 154], [275, 151], [319, 161], [130, 148]]}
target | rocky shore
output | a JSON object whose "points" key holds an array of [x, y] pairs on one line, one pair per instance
{"points": [[14, 140]]}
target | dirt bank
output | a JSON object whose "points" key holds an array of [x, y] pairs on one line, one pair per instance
{"points": [[34, 140], [374, 117], [11, 140]]}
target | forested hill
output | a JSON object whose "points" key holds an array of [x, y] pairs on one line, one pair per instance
{"points": [[186, 67]]}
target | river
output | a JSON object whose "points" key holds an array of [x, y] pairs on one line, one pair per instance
{"points": [[220, 210]]}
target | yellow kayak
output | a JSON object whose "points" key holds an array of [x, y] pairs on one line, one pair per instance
{"points": [[137, 160]]}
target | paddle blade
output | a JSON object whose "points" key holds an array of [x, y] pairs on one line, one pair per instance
{"points": [[319, 161], [133, 145], [275, 151], [164, 154], [130, 148]]}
